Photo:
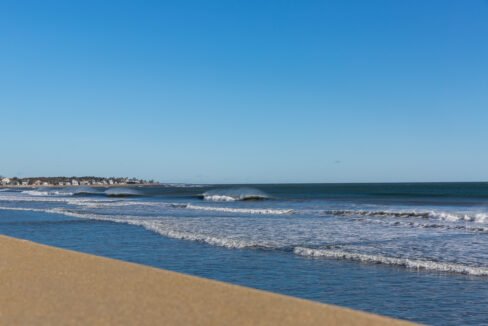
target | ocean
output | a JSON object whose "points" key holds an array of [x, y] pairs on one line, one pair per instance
{"points": [[416, 251]]}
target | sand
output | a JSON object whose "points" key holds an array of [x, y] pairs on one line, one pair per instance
{"points": [[45, 285]]}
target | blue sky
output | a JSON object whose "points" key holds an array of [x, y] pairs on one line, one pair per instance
{"points": [[245, 91]]}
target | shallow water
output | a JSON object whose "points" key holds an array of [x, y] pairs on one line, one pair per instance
{"points": [[413, 251]]}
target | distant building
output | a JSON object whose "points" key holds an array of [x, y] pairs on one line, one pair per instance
{"points": [[37, 183], [5, 181], [75, 182], [84, 183], [110, 182], [67, 183], [25, 183], [61, 183], [45, 183]]}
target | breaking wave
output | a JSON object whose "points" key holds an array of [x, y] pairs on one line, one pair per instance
{"points": [[403, 262], [157, 226], [112, 203], [199, 237], [411, 224], [122, 192], [85, 191], [234, 194], [263, 211], [47, 193], [445, 216]]}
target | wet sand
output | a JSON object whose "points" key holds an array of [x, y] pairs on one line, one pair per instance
{"points": [[46, 285]]}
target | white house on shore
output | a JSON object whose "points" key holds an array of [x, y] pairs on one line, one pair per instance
{"points": [[5, 181], [75, 182]]}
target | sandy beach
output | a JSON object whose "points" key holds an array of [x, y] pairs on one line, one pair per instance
{"points": [[47, 285]]}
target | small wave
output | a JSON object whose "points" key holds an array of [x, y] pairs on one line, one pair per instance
{"points": [[198, 237], [445, 216], [181, 185], [26, 209], [218, 198], [263, 211], [411, 224], [404, 262], [113, 203], [83, 191], [233, 194], [47, 193], [122, 192], [156, 226]]}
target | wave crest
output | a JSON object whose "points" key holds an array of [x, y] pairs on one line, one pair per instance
{"points": [[263, 211], [234, 194], [47, 193], [403, 262], [122, 192], [445, 216]]}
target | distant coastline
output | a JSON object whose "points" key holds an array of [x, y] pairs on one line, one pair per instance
{"points": [[90, 181]]}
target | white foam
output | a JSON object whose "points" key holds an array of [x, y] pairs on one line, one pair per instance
{"points": [[157, 226], [122, 192], [19, 197], [25, 209], [46, 193], [108, 204], [226, 242], [182, 185], [462, 227], [405, 262], [476, 217], [264, 211], [232, 194], [218, 198]]}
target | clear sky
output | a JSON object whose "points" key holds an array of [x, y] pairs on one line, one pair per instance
{"points": [[245, 91]]}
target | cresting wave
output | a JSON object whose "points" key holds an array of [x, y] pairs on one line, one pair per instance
{"points": [[234, 194], [122, 192], [154, 225], [403, 262], [411, 224], [46, 193], [445, 216], [263, 211]]}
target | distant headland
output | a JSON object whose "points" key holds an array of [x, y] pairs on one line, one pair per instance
{"points": [[72, 181]]}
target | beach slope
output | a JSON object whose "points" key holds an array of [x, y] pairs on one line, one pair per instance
{"points": [[46, 285]]}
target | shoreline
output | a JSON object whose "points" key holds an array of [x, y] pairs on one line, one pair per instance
{"points": [[48, 285]]}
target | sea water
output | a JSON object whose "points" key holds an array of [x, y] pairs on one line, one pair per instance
{"points": [[411, 251]]}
